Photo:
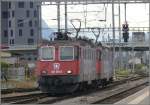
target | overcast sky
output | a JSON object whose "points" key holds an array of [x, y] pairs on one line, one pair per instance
{"points": [[137, 16]]}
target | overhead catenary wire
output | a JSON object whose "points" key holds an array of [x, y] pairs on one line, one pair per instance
{"points": [[85, 15]]}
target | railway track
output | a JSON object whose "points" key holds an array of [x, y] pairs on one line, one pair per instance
{"points": [[100, 96], [16, 90], [31, 97], [117, 97], [44, 98], [78, 94]]}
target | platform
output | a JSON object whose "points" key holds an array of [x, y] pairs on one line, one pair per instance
{"points": [[141, 98]]}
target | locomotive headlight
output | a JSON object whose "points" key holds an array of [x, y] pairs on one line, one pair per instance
{"points": [[69, 71]]}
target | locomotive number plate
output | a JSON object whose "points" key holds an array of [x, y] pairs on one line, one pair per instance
{"points": [[56, 68]]}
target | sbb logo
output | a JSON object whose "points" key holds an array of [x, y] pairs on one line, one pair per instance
{"points": [[56, 66]]}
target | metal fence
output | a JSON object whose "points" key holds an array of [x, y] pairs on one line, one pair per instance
{"points": [[14, 73]]}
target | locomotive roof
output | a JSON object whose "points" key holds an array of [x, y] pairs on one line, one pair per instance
{"points": [[75, 42], [71, 42]]}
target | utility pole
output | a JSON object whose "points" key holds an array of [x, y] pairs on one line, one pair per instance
{"points": [[66, 23], [39, 41], [133, 63], [120, 55], [113, 27], [125, 8], [0, 32], [58, 16], [125, 15], [149, 45]]}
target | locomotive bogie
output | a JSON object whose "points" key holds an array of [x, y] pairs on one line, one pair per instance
{"points": [[57, 84]]}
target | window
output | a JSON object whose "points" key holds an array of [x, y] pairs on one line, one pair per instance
{"points": [[5, 33], [20, 23], [47, 53], [4, 14], [9, 41], [9, 5], [31, 4], [9, 24], [21, 4], [13, 13], [66, 53], [29, 59], [30, 41], [30, 23], [28, 13], [35, 13], [20, 32], [12, 41], [31, 32], [99, 55], [11, 33]]}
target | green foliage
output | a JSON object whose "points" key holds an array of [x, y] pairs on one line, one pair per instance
{"points": [[141, 69], [4, 65], [139, 66], [122, 72]]}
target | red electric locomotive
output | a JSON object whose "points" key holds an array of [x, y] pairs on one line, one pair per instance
{"points": [[65, 66]]}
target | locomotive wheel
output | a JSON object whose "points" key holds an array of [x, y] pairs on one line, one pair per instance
{"points": [[104, 83], [73, 88], [95, 84], [83, 86]]}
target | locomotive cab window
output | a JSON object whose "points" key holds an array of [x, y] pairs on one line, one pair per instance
{"points": [[66, 53], [47, 53]]}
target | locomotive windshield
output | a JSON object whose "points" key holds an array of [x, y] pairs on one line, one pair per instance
{"points": [[47, 53], [66, 53]]}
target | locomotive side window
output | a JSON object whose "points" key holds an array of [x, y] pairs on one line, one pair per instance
{"points": [[47, 53], [99, 56], [66, 53]]}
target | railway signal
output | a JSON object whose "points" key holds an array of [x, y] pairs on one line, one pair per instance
{"points": [[125, 29]]}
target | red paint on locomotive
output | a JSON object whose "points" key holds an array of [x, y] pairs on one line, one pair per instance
{"points": [[49, 67], [57, 66]]}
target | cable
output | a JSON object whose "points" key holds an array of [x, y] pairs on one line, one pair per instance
{"points": [[85, 15]]}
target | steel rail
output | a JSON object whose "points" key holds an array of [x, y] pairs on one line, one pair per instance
{"points": [[12, 99], [16, 90]]}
